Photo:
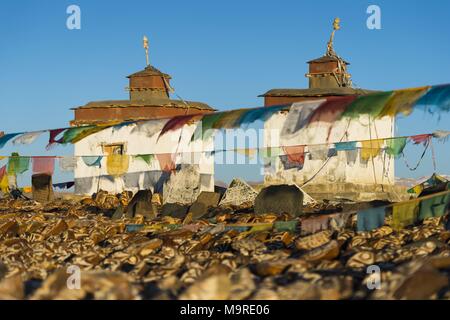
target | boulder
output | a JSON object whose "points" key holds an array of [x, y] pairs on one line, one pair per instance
{"points": [[204, 201], [3, 271], [280, 199], [239, 193], [42, 187], [183, 186], [175, 210], [141, 205], [422, 284]]}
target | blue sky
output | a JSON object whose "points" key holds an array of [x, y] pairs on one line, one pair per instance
{"points": [[223, 53]]}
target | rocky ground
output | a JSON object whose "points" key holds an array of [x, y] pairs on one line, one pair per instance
{"points": [[171, 258]]}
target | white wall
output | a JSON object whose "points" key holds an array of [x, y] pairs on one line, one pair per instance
{"points": [[141, 139], [336, 170]]}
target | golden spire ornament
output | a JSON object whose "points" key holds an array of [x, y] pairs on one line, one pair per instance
{"points": [[145, 43], [336, 26]]}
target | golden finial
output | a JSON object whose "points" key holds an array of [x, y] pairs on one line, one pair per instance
{"points": [[145, 41], [336, 26]]}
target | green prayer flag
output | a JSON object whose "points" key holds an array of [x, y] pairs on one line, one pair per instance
{"points": [[147, 158], [18, 164], [395, 146], [282, 226], [204, 129], [371, 104], [434, 207]]}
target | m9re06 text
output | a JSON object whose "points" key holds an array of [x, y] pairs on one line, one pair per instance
{"points": [[251, 309]]}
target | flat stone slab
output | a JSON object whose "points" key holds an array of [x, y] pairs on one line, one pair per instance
{"points": [[42, 187], [238, 193], [204, 201], [280, 199], [175, 210], [141, 205], [183, 186]]}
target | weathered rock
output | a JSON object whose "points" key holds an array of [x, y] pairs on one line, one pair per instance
{"points": [[239, 193], [313, 241], [271, 268], [214, 284], [156, 199], [141, 205], [118, 213], [422, 284], [42, 187], [328, 251], [183, 186], [99, 285], [12, 288], [56, 229], [280, 199], [3, 271], [361, 259], [10, 228], [242, 284], [174, 210], [107, 201], [204, 201]]}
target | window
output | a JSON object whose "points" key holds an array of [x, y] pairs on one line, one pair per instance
{"points": [[116, 148]]}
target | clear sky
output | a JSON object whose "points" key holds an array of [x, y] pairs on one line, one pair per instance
{"points": [[224, 53]]}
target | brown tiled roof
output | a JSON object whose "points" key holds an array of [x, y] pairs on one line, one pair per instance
{"points": [[326, 59], [315, 92], [154, 102], [149, 71]]}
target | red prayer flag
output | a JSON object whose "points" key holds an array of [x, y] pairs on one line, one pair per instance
{"points": [[53, 134], [331, 110], [421, 138], [43, 165], [166, 162], [295, 154], [177, 122], [2, 172]]}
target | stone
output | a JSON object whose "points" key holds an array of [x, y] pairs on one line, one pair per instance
{"points": [[422, 284], [307, 199], [270, 268], [183, 186], [42, 187], [280, 199], [239, 193], [204, 201], [361, 259], [175, 210], [141, 205], [242, 284], [118, 213], [214, 284], [313, 241], [157, 199], [3, 271], [12, 288], [106, 201], [328, 251]]}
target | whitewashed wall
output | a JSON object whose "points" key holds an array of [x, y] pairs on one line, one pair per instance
{"points": [[141, 139], [336, 170]]}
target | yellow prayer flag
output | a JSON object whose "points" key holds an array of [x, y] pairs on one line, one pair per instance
{"points": [[117, 164], [402, 101], [4, 184], [371, 148], [404, 214]]}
